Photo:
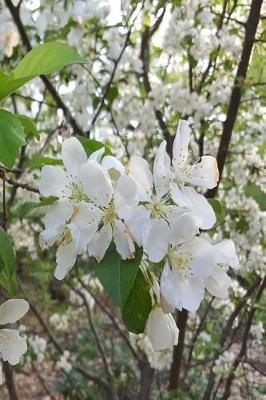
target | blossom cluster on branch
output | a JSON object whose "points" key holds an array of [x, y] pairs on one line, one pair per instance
{"points": [[99, 200]]}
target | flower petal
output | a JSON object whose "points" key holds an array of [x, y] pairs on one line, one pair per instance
{"points": [[49, 236], [12, 346], [96, 183], [139, 170], [225, 253], [53, 181], [123, 240], [183, 228], [161, 330], [58, 213], [65, 260], [191, 292], [218, 283], [73, 155], [113, 164], [125, 196], [202, 253], [155, 239], [100, 242], [12, 310], [205, 173], [180, 145], [201, 208], [161, 171], [138, 222]]}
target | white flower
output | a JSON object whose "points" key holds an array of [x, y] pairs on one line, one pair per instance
{"points": [[161, 330], [187, 264], [149, 221], [219, 282], [12, 346], [113, 207], [203, 173]]}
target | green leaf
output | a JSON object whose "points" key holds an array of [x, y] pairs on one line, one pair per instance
{"points": [[216, 205], [7, 263], [112, 94], [30, 128], [27, 207], [251, 190], [11, 137], [91, 145], [44, 59], [138, 305], [116, 275], [38, 161]]}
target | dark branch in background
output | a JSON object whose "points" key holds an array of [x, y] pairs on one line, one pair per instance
{"points": [[178, 350], [14, 11], [145, 58], [243, 348], [21, 185], [225, 333], [250, 33]]}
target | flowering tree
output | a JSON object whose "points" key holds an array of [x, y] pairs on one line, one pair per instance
{"points": [[119, 122]]}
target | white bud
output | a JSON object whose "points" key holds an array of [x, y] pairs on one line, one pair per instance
{"points": [[161, 330]]}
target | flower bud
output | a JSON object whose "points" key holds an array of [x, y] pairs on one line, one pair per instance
{"points": [[161, 330]]}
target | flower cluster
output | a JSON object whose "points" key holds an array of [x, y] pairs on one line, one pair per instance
{"points": [[12, 345], [99, 200]]}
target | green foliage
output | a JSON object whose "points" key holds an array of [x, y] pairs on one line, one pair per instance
{"points": [[91, 145], [138, 305], [251, 190], [26, 208], [30, 129], [38, 161], [7, 263], [117, 275], [44, 59], [12, 137], [216, 205]]}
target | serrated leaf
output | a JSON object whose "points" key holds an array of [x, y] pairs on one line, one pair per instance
{"points": [[26, 208], [12, 137], [38, 161], [91, 145], [7, 262], [116, 275], [138, 305], [44, 59], [30, 128]]}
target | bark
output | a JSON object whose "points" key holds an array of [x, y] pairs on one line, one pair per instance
{"points": [[249, 40]]}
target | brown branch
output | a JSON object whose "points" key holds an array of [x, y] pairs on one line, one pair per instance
{"points": [[243, 348], [250, 33], [22, 185], [14, 11], [178, 350]]}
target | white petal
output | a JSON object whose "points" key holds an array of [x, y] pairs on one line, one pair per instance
{"points": [[73, 155], [97, 155], [87, 216], [218, 283], [100, 243], [202, 254], [58, 213], [168, 285], [161, 330], [191, 292], [67, 253], [138, 222], [125, 196], [113, 164], [205, 173], [155, 239], [12, 310], [181, 142], [96, 183], [161, 171], [179, 196], [183, 228], [12, 346], [53, 181], [50, 235], [200, 207], [225, 253], [139, 170], [123, 240]]}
